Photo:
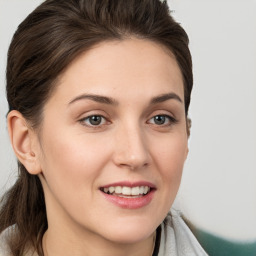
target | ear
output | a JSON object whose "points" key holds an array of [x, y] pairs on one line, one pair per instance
{"points": [[24, 142], [189, 124], [187, 151]]}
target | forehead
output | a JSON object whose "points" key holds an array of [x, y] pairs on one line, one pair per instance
{"points": [[127, 66]]}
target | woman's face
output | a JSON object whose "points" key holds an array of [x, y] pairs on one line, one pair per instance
{"points": [[113, 141]]}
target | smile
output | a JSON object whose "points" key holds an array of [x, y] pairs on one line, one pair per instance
{"points": [[127, 192], [129, 195]]}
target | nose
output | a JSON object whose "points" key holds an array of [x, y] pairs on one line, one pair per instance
{"points": [[131, 150]]}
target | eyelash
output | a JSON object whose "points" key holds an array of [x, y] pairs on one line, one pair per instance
{"points": [[170, 121], [83, 121]]}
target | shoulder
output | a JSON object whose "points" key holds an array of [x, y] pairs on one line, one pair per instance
{"points": [[176, 237], [4, 238]]}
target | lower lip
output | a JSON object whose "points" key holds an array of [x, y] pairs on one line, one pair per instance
{"points": [[130, 203]]}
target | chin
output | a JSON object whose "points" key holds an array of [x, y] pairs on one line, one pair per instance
{"points": [[130, 231], [131, 237]]}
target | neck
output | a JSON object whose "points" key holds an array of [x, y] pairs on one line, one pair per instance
{"points": [[62, 245]]}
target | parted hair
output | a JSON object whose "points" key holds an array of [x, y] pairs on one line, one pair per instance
{"points": [[45, 43]]}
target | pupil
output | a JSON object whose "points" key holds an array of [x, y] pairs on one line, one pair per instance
{"points": [[159, 119], [95, 120]]}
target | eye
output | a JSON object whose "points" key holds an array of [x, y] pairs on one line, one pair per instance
{"points": [[94, 120], [162, 120]]}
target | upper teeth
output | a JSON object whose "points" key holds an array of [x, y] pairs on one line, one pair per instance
{"points": [[134, 191]]}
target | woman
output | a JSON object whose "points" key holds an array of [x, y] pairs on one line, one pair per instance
{"points": [[98, 96]]}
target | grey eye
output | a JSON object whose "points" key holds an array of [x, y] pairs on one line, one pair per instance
{"points": [[95, 120], [160, 119]]}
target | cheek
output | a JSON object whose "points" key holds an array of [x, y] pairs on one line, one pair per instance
{"points": [[71, 161], [71, 166], [171, 149], [169, 157]]}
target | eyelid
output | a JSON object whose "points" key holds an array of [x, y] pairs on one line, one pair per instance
{"points": [[85, 117], [172, 120]]}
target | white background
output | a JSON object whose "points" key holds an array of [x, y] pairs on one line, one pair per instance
{"points": [[218, 191]]}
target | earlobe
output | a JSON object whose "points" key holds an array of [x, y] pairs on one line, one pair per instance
{"points": [[22, 138]]}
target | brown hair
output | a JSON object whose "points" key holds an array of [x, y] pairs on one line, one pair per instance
{"points": [[44, 44]]}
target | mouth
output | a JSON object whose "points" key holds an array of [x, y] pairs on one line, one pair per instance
{"points": [[127, 192], [129, 195]]}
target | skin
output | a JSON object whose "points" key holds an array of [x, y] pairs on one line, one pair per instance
{"points": [[74, 158]]}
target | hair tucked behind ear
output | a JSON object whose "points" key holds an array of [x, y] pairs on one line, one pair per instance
{"points": [[44, 44]]}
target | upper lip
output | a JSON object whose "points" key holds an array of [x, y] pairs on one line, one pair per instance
{"points": [[130, 184]]}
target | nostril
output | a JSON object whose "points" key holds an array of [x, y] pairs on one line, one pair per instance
{"points": [[131, 150], [134, 166]]}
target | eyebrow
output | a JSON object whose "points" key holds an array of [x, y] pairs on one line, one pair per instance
{"points": [[111, 101], [95, 97], [165, 97]]}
